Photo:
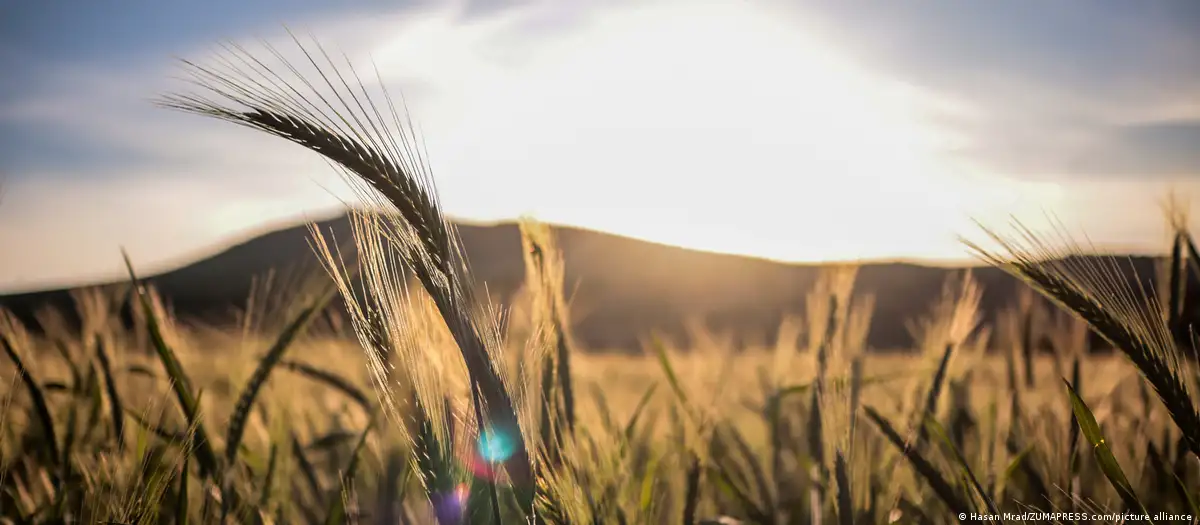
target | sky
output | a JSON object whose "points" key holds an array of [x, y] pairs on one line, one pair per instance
{"points": [[799, 131]]}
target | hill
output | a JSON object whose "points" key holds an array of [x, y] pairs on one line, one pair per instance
{"points": [[622, 288]]}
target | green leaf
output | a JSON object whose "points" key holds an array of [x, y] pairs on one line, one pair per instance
{"points": [[182, 386], [1104, 456], [940, 433]]}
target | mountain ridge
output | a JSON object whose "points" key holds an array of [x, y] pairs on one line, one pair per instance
{"points": [[625, 287]]}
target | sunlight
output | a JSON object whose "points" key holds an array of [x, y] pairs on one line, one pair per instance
{"points": [[734, 134]]}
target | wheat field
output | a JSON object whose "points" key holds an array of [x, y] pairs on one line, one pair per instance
{"points": [[302, 431]]}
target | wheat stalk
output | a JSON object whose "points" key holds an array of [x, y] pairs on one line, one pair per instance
{"points": [[336, 117], [1099, 294]]}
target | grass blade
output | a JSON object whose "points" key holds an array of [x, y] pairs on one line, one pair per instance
{"points": [[750, 459], [205, 456], [181, 500], [845, 501], [637, 411], [1193, 257], [175, 438], [337, 512], [935, 393], [241, 412], [328, 379], [924, 467], [40, 408], [1104, 456], [114, 397], [306, 467], [940, 433], [1177, 286], [664, 361], [691, 496], [269, 478]]}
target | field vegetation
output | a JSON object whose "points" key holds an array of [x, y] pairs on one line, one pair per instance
{"points": [[428, 404]]}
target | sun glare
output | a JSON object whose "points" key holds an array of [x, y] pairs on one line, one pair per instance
{"points": [[721, 128]]}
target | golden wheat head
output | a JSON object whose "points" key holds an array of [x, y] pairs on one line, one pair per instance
{"points": [[1124, 314], [330, 112]]}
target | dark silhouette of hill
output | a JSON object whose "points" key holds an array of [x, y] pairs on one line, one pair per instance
{"points": [[622, 288]]}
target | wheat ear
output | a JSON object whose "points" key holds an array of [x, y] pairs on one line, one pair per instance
{"points": [[335, 116], [1099, 293]]}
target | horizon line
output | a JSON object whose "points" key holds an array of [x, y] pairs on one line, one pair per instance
{"points": [[248, 235]]}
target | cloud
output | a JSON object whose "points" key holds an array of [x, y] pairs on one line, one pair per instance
{"points": [[1048, 83], [91, 164], [1170, 149], [1156, 150]]}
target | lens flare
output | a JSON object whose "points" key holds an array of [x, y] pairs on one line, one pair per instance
{"points": [[495, 447], [491, 450], [449, 507]]}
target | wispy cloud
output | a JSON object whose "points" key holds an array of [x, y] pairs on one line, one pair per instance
{"points": [[1064, 89]]}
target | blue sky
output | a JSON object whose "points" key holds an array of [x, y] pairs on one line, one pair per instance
{"points": [[801, 131]]}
